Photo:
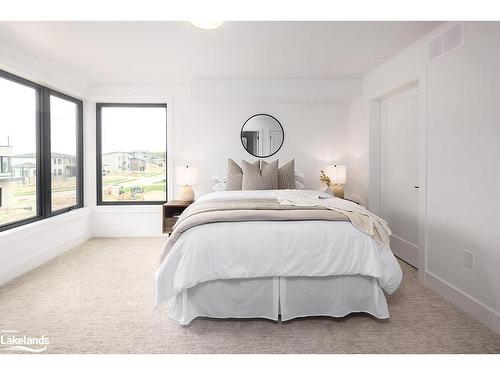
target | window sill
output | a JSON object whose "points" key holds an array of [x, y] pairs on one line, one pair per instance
{"points": [[128, 209]]}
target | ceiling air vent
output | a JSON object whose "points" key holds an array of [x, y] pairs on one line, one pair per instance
{"points": [[436, 48], [453, 38], [447, 42]]}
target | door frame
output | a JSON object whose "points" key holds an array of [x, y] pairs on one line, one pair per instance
{"points": [[375, 158]]}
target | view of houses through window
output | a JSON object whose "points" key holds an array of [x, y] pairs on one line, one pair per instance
{"points": [[133, 153], [63, 140], [21, 155], [18, 159]]}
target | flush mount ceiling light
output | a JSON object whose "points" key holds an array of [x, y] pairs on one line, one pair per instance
{"points": [[207, 25], [378, 58]]}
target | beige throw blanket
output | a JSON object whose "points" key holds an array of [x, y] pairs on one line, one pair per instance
{"points": [[238, 210], [360, 217]]}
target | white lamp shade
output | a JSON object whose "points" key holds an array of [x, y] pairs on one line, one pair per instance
{"points": [[337, 173], [185, 175], [206, 24]]}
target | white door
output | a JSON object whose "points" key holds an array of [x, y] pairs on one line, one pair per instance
{"points": [[399, 172]]}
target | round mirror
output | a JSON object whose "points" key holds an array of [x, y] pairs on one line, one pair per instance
{"points": [[262, 135]]}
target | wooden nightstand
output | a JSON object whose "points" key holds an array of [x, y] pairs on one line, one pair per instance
{"points": [[171, 212]]}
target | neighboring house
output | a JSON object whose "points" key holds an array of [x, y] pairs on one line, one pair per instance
{"points": [[6, 173], [137, 165], [63, 165], [143, 155], [5, 162], [135, 161], [157, 160], [116, 161], [24, 170], [105, 169]]}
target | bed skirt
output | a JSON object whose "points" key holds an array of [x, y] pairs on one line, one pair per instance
{"points": [[285, 297]]}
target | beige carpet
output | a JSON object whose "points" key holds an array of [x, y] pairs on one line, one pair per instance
{"points": [[98, 298]]}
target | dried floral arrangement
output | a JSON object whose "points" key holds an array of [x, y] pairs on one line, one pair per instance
{"points": [[325, 179]]}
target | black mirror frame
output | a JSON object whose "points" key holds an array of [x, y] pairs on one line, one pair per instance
{"points": [[275, 119]]}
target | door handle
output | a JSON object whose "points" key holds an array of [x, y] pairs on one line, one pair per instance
{"points": [[416, 187]]}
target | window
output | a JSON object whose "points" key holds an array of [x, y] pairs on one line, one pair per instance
{"points": [[131, 153], [28, 135], [64, 125]]}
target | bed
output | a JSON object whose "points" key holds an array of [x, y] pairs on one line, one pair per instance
{"points": [[248, 254]]}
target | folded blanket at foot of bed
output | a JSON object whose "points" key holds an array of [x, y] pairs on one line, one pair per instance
{"points": [[281, 207]]}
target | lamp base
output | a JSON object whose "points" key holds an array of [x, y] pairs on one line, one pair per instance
{"points": [[186, 194], [338, 191]]}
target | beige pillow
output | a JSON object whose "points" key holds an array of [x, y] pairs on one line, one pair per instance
{"points": [[286, 175], [235, 175], [255, 178]]}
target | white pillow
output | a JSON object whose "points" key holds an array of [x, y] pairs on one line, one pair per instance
{"points": [[220, 176], [298, 185], [299, 174], [221, 186]]}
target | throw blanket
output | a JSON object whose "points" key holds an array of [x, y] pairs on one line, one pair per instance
{"points": [[360, 217], [286, 205]]}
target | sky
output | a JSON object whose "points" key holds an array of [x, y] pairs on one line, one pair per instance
{"points": [[123, 129], [134, 129], [18, 120], [17, 116]]}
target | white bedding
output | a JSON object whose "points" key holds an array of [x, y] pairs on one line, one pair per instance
{"points": [[235, 250], [280, 297]]}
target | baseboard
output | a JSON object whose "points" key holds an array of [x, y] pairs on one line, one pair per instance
{"points": [[404, 250], [126, 232], [484, 314], [124, 235], [42, 256]]}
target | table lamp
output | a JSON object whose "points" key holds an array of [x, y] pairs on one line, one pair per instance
{"points": [[185, 178]]}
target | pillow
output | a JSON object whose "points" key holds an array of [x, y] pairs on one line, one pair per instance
{"points": [[235, 175], [299, 174], [286, 175], [220, 176], [220, 186], [255, 178], [299, 185]]}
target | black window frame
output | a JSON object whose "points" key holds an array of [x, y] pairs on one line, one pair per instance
{"points": [[43, 152], [99, 107]]}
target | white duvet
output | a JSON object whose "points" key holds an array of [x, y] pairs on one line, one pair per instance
{"points": [[229, 250]]}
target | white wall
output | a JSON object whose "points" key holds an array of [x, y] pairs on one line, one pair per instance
{"points": [[206, 132], [461, 92], [24, 248]]}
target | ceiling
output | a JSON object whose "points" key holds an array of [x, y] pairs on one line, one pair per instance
{"points": [[153, 52]]}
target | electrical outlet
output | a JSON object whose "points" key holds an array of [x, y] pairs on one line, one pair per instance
{"points": [[469, 259]]}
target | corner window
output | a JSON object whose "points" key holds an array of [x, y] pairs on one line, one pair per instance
{"points": [[64, 120], [29, 132], [131, 153]]}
